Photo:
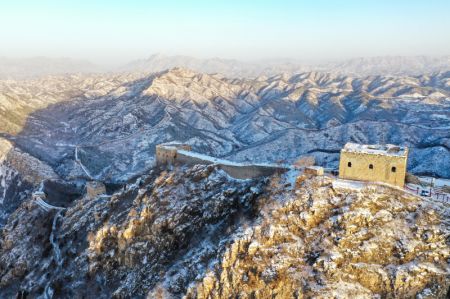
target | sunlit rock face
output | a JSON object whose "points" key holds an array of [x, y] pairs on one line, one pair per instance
{"points": [[197, 233], [324, 243]]}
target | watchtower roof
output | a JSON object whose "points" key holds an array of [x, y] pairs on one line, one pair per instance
{"points": [[376, 149]]}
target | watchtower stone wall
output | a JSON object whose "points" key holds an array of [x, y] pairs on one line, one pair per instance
{"points": [[374, 163], [167, 153]]}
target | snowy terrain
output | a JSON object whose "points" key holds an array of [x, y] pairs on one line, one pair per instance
{"points": [[195, 231]]}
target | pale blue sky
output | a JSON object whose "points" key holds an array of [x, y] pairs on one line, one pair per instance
{"points": [[114, 32]]}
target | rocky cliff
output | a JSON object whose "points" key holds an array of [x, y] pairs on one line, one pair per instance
{"points": [[20, 174]]}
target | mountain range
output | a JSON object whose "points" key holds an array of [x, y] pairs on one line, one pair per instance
{"points": [[26, 68], [362, 66], [113, 122]]}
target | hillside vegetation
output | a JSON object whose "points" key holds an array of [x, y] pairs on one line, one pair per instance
{"points": [[196, 233]]}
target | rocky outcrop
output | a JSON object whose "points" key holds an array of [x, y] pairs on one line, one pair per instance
{"points": [[30, 168], [324, 243], [20, 173], [120, 245], [182, 217]]}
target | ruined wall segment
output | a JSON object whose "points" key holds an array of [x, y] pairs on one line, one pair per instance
{"points": [[95, 188], [376, 163], [314, 170]]}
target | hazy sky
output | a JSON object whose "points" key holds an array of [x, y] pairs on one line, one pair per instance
{"points": [[113, 31]]}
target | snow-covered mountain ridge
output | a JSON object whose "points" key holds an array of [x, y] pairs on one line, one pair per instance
{"points": [[117, 120]]}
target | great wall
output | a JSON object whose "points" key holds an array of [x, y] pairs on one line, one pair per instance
{"points": [[175, 153], [379, 159]]}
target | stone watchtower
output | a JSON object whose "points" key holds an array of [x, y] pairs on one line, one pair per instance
{"points": [[377, 163], [167, 153]]}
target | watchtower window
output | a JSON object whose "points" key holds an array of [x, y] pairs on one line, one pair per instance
{"points": [[349, 164], [394, 169], [370, 166]]}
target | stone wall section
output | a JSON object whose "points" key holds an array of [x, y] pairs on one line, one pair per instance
{"points": [[171, 155]]}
